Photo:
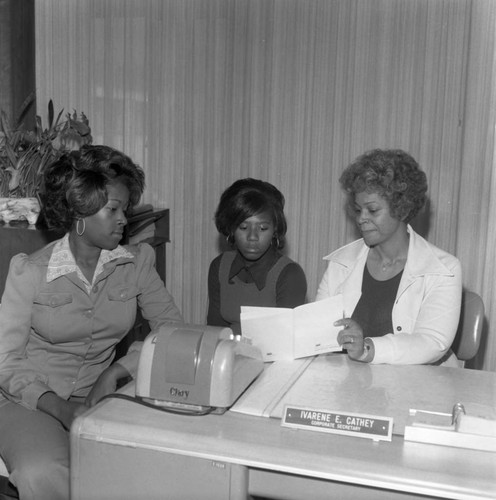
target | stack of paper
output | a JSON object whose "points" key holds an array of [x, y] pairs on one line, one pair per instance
{"points": [[285, 334]]}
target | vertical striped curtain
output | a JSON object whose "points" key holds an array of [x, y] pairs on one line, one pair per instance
{"points": [[204, 92]]}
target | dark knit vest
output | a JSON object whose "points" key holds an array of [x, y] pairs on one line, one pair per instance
{"points": [[236, 294]]}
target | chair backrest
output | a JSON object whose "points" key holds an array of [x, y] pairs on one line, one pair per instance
{"points": [[468, 336]]}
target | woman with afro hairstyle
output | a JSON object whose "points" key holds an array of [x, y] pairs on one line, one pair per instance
{"points": [[254, 273], [64, 310], [402, 294]]}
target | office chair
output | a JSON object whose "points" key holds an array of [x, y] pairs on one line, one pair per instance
{"points": [[7, 491], [469, 333]]}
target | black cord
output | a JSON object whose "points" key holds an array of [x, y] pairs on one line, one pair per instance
{"points": [[176, 411]]}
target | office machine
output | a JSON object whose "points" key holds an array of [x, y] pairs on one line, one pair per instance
{"points": [[194, 367]]}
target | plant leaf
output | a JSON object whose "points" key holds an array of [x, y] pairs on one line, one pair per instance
{"points": [[51, 114], [25, 106]]}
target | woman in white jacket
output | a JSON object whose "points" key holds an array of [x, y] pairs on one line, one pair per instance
{"points": [[403, 292]]}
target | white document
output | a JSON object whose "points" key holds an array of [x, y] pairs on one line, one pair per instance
{"points": [[283, 333]]}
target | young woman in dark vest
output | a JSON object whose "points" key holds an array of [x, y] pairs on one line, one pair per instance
{"points": [[255, 272]]}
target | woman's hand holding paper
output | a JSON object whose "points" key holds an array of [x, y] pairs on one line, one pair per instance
{"points": [[350, 337]]}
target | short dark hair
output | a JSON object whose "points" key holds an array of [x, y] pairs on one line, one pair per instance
{"points": [[248, 197], [75, 185], [394, 175]]}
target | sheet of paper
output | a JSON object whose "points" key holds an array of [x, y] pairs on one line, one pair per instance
{"points": [[284, 334], [270, 330], [314, 330]]}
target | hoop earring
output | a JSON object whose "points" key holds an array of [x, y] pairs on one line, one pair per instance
{"points": [[80, 233], [276, 240], [230, 239]]}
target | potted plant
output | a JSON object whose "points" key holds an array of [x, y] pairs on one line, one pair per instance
{"points": [[25, 154]]}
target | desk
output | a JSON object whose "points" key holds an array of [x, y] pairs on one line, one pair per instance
{"points": [[20, 237], [336, 383], [122, 450]]}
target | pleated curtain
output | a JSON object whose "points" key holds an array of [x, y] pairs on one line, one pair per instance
{"points": [[204, 92]]}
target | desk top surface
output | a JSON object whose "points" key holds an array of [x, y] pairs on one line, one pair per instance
{"points": [[334, 382], [261, 442]]}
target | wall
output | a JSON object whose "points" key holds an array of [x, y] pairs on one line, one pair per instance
{"points": [[17, 63], [290, 91]]}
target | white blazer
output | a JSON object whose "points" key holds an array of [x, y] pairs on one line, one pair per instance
{"points": [[426, 310]]}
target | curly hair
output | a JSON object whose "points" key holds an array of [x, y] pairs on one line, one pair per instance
{"points": [[248, 197], [391, 173], [75, 185]]}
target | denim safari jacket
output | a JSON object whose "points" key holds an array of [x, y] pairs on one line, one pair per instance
{"points": [[56, 336]]}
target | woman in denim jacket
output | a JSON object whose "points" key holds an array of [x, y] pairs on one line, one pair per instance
{"points": [[64, 310]]}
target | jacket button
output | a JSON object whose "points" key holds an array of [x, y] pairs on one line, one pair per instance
{"points": [[95, 289], [398, 328]]}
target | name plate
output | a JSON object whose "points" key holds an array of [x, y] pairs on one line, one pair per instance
{"points": [[349, 424]]}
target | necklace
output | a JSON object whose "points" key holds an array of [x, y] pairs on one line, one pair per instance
{"points": [[387, 265]]}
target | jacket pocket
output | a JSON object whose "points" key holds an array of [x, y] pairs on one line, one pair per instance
{"points": [[53, 299], [123, 293], [122, 303], [53, 316]]}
